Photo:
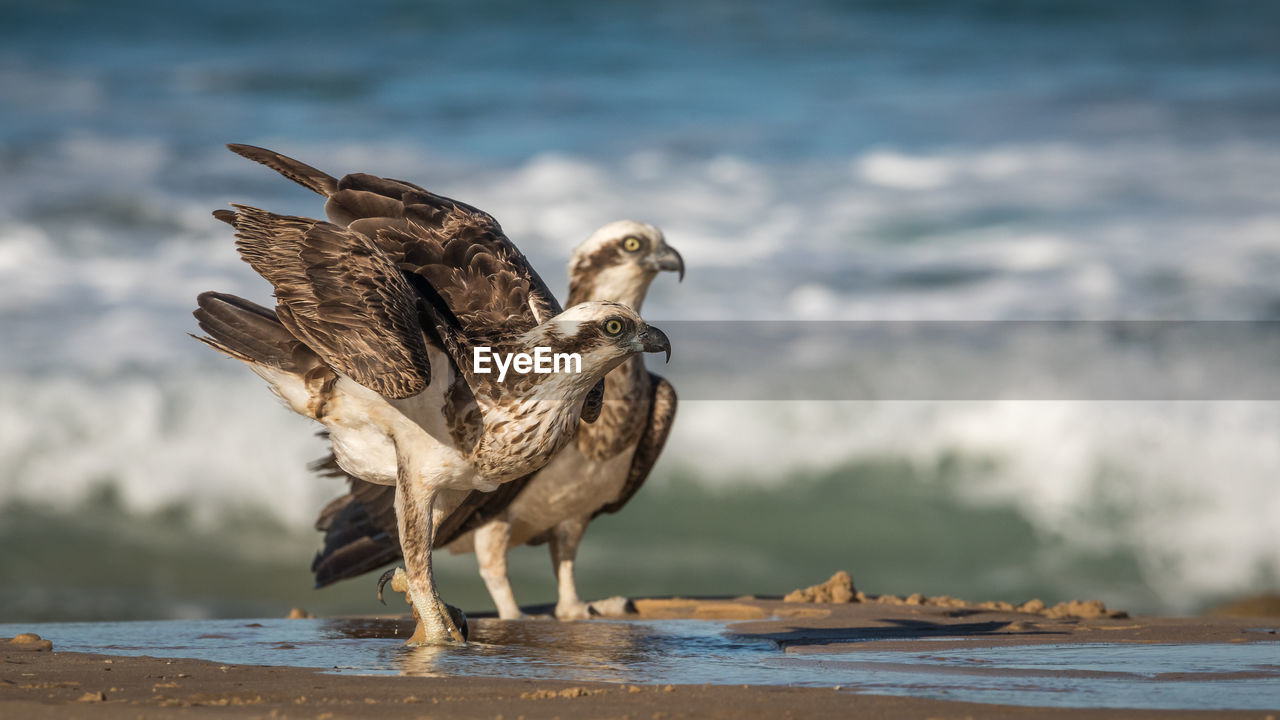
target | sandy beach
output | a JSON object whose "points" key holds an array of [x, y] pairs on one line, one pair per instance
{"points": [[36, 682]]}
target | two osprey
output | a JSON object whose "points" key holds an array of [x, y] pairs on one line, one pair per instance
{"points": [[378, 312], [597, 473]]}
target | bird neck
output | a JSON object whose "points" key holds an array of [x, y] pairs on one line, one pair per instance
{"points": [[626, 285]]}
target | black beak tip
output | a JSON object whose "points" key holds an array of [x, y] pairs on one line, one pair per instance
{"points": [[655, 340]]}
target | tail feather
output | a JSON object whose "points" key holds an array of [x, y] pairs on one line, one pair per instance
{"points": [[299, 172], [359, 532], [353, 559]]}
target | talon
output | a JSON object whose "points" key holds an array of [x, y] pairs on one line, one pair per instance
{"points": [[382, 581], [459, 619]]}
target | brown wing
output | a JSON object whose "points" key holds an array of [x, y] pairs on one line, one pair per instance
{"points": [[298, 172], [474, 272], [341, 296], [662, 415]]}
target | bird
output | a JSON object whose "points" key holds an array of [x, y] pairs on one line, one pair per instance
{"points": [[379, 313], [597, 473]]}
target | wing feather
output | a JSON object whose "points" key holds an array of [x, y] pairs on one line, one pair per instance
{"points": [[480, 276], [662, 414], [340, 295], [298, 172]]}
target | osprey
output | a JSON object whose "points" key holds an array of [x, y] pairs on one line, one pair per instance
{"points": [[597, 473], [377, 314]]}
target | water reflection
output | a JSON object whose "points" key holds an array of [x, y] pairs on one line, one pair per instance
{"points": [[600, 650], [1205, 676]]}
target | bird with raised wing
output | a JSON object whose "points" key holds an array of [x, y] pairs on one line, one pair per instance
{"points": [[379, 315]]}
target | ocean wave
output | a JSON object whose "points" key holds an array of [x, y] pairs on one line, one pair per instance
{"points": [[1185, 488], [98, 381], [1037, 231]]}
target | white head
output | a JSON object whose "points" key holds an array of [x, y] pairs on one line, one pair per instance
{"points": [[603, 334], [618, 261]]}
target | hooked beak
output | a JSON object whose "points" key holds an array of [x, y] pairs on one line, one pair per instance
{"points": [[668, 260], [653, 340]]}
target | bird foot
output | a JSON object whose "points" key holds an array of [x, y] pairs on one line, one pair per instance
{"points": [[613, 607], [616, 606], [457, 631], [456, 628], [573, 611]]}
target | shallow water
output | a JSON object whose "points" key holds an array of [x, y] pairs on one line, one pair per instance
{"points": [[1116, 675]]}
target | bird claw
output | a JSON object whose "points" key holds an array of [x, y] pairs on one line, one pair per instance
{"points": [[399, 582], [459, 619], [455, 621]]}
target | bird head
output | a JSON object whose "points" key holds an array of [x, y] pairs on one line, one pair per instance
{"points": [[618, 261], [603, 334]]}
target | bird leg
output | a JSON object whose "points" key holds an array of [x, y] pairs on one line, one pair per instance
{"points": [[564, 548], [400, 583], [492, 540], [436, 624]]}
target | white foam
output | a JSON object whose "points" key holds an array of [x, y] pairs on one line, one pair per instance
{"points": [[218, 443], [1189, 488], [904, 172]]}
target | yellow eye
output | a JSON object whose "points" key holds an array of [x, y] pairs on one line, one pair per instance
{"points": [[631, 243], [612, 327]]}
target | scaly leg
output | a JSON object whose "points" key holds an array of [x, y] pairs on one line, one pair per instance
{"points": [[414, 505], [492, 540], [564, 548]]}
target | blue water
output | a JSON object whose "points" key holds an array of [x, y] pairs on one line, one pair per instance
{"points": [[916, 160], [502, 81], [1205, 676]]}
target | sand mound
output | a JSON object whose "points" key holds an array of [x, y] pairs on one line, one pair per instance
{"points": [[28, 641], [839, 589]]}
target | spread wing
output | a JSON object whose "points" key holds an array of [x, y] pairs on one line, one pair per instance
{"points": [[341, 296], [473, 276], [662, 415], [474, 271]]}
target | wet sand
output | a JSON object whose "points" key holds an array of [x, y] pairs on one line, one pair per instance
{"points": [[39, 683]]}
